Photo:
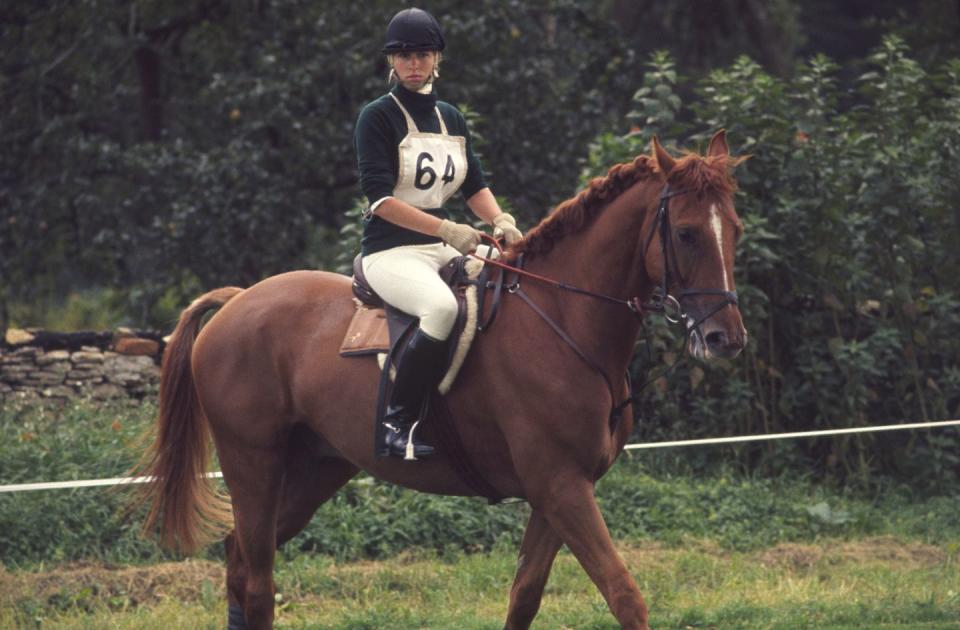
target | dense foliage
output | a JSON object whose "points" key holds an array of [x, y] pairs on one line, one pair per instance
{"points": [[848, 269], [165, 147], [641, 501], [154, 150]]}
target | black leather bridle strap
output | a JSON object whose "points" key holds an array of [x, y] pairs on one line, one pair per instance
{"points": [[497, 287], [729, 297], [661, 224]]}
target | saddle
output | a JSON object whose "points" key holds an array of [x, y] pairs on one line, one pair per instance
{"points": [[378, 328]]}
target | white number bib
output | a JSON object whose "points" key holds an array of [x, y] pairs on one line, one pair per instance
{"points": [[432, 165]]}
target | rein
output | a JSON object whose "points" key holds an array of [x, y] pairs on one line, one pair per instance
{"points": [[670, 306], [660, 302]]}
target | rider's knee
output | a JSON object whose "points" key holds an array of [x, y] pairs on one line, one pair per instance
{"points": [[438, 321]]}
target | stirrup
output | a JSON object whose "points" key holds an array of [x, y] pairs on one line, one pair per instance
{"points": [[411, 446]]}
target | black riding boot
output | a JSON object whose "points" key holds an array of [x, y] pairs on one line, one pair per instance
{"points": [[419, 371]]}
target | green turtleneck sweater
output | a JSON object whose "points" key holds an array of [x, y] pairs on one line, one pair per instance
{"points": [[380, 128]]}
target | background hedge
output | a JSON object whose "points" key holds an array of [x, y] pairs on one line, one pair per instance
{"points": [[156, 150]]}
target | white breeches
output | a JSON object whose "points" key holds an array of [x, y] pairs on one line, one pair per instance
{"points": [[407, 278]]}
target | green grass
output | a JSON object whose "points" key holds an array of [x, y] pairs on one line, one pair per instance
{"points": [[872, 583], [718, 551], [373, 520]]}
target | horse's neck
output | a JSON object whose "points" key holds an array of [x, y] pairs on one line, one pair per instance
{"points": [[606, 258]]}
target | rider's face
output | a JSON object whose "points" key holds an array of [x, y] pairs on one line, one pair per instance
{"points": [[414, 69]]}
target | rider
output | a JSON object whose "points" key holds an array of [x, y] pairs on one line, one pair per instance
{"points": [[414, 152]]}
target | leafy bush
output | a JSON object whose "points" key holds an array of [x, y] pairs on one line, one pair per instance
{"points": [[847, 270], [79, 442]]}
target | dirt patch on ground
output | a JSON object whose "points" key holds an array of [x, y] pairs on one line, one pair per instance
{"points": [[190, 580], [880, 549], [84, 584], [802, 557]]}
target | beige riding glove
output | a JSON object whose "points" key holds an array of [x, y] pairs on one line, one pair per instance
{"points": [[506, 226], [460, 236]]}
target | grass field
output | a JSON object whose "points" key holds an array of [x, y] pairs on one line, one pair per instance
{"points": [[873, 583], [718, 550]]}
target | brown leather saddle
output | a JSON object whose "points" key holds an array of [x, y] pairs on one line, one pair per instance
{"points": [[378, 327]]}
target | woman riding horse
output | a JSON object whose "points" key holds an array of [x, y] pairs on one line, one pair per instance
{"points": [[290, 417], [414, 153]]}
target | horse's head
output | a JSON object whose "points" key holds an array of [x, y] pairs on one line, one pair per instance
{"points": [[690, 245]]}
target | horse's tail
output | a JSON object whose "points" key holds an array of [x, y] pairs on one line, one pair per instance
{"points": [[182, 500]]}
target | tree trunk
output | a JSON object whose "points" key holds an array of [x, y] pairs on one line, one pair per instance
{"points": [[151, 103]]}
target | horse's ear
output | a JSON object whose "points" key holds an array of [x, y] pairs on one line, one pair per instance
{"points": [[664, 160], [718, 144]]}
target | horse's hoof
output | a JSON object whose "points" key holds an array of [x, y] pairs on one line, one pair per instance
{"points": [[235, 618]]}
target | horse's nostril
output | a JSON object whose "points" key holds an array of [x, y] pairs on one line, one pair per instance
{"points": [[716, 339]]}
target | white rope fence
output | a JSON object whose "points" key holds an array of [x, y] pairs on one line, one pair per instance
{"points": [[796, 434], [117, 481], [86, 483]]}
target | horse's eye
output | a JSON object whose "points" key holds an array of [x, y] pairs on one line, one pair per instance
{"points": [[687, 236]]}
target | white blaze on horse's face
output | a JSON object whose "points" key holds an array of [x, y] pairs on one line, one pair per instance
{"points": [[720, 333], [714, 339], [717, 224]]}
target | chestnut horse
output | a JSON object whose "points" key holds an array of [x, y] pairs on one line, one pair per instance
{"points": [[292, 421]]}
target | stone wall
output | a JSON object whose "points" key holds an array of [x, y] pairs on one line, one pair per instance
{"points": [[51, 367]]}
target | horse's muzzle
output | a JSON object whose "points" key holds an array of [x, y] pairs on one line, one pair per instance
{"points": [[721, 345]]}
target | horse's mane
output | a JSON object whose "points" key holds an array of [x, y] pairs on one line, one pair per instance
{"points": [[705, 175]]}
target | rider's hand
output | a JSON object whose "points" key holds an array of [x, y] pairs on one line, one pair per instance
{"points": [[506, 226], [462, 237]]}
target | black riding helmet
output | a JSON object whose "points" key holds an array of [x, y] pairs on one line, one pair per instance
{"points": [[411, 30]]}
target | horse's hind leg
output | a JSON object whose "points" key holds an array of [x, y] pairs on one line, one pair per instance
{"points": [[308, 483], [255, 479], [306, 489], [537, 552]]}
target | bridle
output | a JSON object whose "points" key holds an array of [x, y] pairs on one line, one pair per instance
{"points": [[661, 224], [662, 301]]}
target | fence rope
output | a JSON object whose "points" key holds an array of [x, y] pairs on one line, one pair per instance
{"points": [[86, 483], [117, 481], [795, 434]]}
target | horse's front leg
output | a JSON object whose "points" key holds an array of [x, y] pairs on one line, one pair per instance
{"points": [[571, 510], [537, 552]]}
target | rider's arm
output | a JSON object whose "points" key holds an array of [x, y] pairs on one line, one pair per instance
{"points": [[403, 214], [376, 146], [484, 205]]}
